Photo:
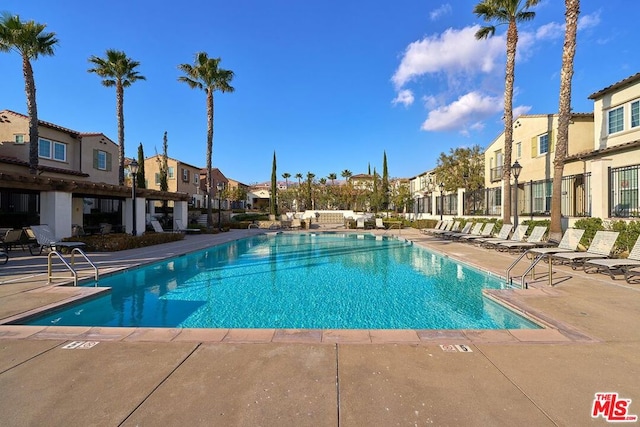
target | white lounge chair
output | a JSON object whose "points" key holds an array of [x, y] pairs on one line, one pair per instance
{"points": [[46, 239], [621, 265], [379, 223], [180, 227], [360, 223], [534, 240], [600, 247], [502, 235], [158, 228], [484, 234]]}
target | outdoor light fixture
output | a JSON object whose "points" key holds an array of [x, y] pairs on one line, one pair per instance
{"points": [[133, 168], [220, 187], [515, 170], [441, 186]]}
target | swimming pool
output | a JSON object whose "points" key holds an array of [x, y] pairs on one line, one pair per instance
{"points": [[298, 281]]}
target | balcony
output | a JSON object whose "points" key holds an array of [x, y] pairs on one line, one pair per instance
{"points": [[496, 174]]}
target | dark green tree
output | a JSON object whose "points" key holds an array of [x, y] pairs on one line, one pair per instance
{"points": [[385, 183], [140, 178], [273, 206]]}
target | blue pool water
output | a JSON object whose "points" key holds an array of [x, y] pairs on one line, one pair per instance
{"points": [[299, 280]]}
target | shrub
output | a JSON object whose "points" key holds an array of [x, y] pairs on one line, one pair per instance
{"points": [[629, 232], [590, 226], [250, 217], [121, 241]]}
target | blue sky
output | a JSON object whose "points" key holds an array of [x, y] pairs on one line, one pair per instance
{"points": [[328, 85]]}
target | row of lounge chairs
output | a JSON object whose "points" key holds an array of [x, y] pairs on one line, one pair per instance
{"points": [[597, 258]]}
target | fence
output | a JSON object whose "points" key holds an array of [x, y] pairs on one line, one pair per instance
{"points": [[623, 195]]}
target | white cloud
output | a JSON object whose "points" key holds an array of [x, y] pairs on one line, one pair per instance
{"points": [[445, 9], [520, 110], [550, 31], [464, 112], [405, 97], [453, 51], [589, 21]]}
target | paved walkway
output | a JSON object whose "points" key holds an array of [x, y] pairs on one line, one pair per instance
{"points": [[310, 377]]}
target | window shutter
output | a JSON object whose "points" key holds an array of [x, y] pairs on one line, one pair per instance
{"points": [[552, 144], [534, 146], [95, 158], [108, 161]]}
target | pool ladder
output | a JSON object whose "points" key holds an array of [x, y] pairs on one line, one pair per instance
{"points": [[530, 269], [71, 266]]}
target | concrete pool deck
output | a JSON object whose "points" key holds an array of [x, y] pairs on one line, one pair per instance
{"points": [[146, 376]]}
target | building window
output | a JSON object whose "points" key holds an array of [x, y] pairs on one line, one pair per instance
{"points": [[635, 114], [52, 150], [616, 120], [157, 178], [518, 150], [185, 175], [100, 160], [543, 144], [19, 138], [196, 178], [171, 174]]}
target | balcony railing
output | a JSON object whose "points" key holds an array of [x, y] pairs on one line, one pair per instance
{"points": [[496, 174]]}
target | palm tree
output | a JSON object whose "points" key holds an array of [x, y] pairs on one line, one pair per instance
{"points": [[116, 69], [332, 177], [299, 177], [205, 74], [310, 177], [572, 11], [286, 177], [346, 174], [509, 12], [30, 41]]}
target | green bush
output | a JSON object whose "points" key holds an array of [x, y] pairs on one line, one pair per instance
{"points": [[535, 223], [590, 227], [629, 232], [121, 241], [250, 217]]}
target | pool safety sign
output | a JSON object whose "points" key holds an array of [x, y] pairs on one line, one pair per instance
{"points": [[80, 345], [455, 348]]}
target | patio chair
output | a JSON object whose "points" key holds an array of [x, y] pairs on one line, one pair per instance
{"points": [[449, 234], [474, 231], [360, 223], [180, 227], [15, 238], [485, 233], [46, 239], [439, 226], [295, 224], [451, 227], [534, 240], [379, 224], [517, 236], [621, 265], [158, 228], [600, 247], [503, 234]]}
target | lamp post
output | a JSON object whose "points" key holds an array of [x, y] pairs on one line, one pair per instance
{"points": [[515, 170], [465, 177], [133, 168], [220, 187], [441, 186]]}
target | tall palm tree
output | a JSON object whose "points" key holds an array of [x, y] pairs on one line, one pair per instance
{"points": [[509, 12], [572, 11], [310, 177], [286, 177], [30, 41], [117, 69], [299, 177], [205, 74], [346, 174], [332, 177]]}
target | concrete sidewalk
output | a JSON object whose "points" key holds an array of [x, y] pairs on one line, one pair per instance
{"points": [[349, 378]]}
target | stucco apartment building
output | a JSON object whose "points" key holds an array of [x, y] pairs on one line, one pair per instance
{"points": [[76, 180], [181, 178], [601, 172]]}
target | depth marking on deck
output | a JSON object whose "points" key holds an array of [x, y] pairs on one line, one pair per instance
{"points": [[454, 348], [80, 345]]}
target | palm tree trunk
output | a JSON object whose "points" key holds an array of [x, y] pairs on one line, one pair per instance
{"points": [[32, 111], [209, 156], [120, 118], [564, 115], [512, 41]]}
